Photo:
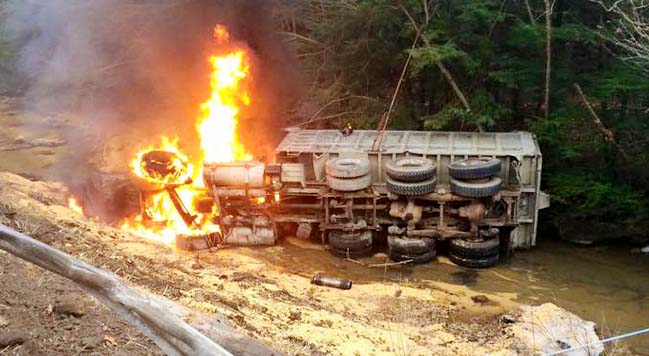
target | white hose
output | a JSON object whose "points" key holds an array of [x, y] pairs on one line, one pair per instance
{"points": [[610, 339]]}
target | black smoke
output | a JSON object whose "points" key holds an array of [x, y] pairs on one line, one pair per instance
{"points": [[140, 67], [130, 71], [136, 70]]}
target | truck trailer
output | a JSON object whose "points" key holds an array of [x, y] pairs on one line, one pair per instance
{"points": [[409, 192]]}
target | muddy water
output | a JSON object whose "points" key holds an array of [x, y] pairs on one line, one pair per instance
{"points": [[608, 285]]}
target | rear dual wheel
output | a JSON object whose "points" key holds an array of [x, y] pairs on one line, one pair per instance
{"points": [[348, 174], [349, 184], [475, 177], [342, 167], [475, 254], [476, 189], [410, 176], [474, 168], [346, 244], [412, 250], [410, 169], [410, 188]]}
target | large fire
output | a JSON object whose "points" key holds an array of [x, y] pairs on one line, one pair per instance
{"points": [[168, 168]]}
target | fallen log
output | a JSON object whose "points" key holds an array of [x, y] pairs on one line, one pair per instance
{"points": [[149, 313]]}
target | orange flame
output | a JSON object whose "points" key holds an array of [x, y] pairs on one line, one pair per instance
{"points": [[218, 124], [217, 127], [74, 205], [183, 168], [221, 34]]}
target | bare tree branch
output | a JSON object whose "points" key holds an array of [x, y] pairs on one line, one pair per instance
{"points": [[529, 12], [445, 72], [383, 124], [629, 29], [606, 133]]}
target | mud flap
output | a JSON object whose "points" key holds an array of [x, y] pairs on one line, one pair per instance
{"points": [[544, 200]]}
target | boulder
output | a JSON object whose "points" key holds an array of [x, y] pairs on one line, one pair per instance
{"points": [[546, 328]]}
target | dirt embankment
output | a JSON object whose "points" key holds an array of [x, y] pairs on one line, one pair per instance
{"points": [[253, 289], [44, 314]]}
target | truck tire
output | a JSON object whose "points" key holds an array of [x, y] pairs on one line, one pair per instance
{"points": [[474, 168], [349, 253], [349, 184], [474, 249], [476, 190], [485, 262], [410, 188], [347, 167], [342, 240], [410, 169], [415, 259], [409, 246]]}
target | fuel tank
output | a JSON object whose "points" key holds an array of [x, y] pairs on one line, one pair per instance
{"points": [[234, 174]]}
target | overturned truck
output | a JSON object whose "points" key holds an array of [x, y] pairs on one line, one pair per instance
{"points": [[478, 194]]}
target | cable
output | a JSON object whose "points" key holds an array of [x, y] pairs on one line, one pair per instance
{"points": [[613, 338]]}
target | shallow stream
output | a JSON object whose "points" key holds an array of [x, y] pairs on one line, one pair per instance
{"points": [[608, 285]]}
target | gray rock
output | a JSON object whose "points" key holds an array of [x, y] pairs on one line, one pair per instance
{"points": [[12, 338], [546, 328], [91, 342], [480, 299], [70, 306]]}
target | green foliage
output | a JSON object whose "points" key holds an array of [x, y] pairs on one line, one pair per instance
{"points": [[496, 56], [595, 197], [425, 56]]}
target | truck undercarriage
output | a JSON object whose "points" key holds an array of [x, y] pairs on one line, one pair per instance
{"points": [[481, 202]]}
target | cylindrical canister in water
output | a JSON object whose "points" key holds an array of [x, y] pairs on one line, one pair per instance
{"points": [[331, 282]]}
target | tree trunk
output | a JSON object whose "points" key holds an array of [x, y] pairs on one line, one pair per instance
{"points": [[548, 56]]}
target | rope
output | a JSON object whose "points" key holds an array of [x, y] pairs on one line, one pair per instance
{"points": [[384, 123], [610, 339]]}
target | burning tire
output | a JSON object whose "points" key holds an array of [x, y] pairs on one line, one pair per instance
{"points": [[347, 167], [475, 254], [353, 241], [474, 168], [410, 188], [476, 189], [410, 169], [349, 184]]}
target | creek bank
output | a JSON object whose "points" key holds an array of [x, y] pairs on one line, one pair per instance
{"points": [[259, 296]]}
